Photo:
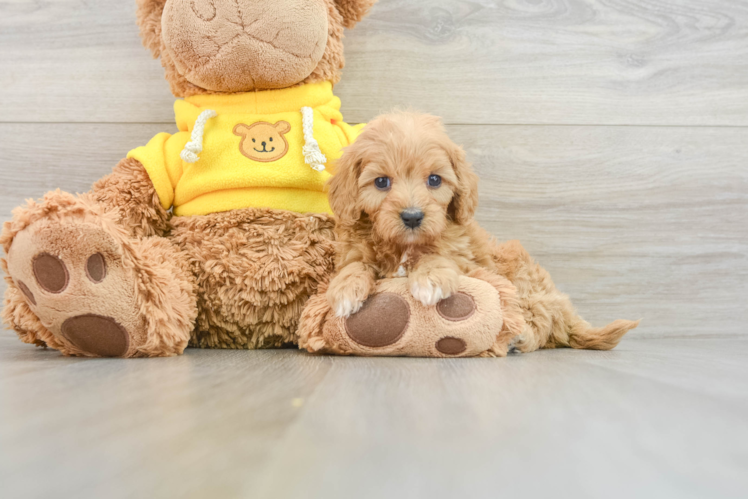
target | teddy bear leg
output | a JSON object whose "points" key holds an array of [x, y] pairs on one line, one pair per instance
{"points": [[79, 284], [255, 270], [480, 319], [83, 280]]}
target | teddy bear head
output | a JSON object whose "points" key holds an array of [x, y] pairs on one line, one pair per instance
{"points": [[230, 46]]}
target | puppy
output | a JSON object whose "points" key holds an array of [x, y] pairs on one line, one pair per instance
{"points": [[404, 197]]}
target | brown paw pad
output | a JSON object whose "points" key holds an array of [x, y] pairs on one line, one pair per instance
{"points": [[457, 307], [381, 321], [97, 335], [451, 346], [51, 273], [96, 268], [29, 295]]}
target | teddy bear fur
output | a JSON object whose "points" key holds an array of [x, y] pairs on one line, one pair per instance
{"points": [[236, 279], [342, 14]]}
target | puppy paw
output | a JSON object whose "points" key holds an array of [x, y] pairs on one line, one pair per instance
{"points": [[344, 307], [427, 292], [430, 288], [348, 293]]}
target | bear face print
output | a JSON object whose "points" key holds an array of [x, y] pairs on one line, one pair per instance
{"points": [[263, 141]]}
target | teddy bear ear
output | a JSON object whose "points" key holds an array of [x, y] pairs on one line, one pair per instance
{"points": [[149, 14], [353, 10], [241, 129], [283, 127]]}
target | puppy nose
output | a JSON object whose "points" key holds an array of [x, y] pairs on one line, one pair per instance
{"points": [[263, 143], [412, 217]]}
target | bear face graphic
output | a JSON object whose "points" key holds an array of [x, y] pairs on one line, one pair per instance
{"points": [[263, 141]]}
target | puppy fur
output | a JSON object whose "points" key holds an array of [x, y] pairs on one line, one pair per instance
{"points": [[374, 241]]}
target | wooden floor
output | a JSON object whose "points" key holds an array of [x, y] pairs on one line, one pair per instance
{"points": [[611, 138], [654, 418]]}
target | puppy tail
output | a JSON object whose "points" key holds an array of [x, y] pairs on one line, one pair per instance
{"points": [[583, 336]]}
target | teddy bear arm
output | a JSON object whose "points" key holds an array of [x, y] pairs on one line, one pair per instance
{"points": [[129, 191]]}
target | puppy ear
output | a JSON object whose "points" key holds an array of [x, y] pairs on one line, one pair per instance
{"points": [[343, 194], [149, 19], [353, 10], [465, 200]]}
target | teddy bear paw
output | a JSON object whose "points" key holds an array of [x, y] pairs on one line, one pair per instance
{"points": [[73, 279], [394, 323]]}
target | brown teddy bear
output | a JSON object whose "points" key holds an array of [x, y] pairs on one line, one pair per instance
{"points": [[214, 236]]}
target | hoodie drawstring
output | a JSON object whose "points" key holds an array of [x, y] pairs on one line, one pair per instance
{"points": [[313, 155], [195, 146]]}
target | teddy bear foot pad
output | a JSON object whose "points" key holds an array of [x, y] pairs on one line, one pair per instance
{"points": [[393, 323], [72, 277]]}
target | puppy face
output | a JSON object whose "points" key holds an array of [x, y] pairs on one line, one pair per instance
{"points": [[406, 196], [407, 177]]}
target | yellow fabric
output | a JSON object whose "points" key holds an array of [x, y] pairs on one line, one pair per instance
{"points": [[226, 179]]}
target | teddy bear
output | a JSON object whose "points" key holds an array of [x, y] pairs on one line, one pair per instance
{"points": [[214, 236]]}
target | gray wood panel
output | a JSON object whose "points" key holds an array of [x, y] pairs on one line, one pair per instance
{"points": [[665, 62], [632, 222], [547, 424], [36, 158], [633, 422]]}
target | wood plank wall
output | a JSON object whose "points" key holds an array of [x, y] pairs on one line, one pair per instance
{"points": [[611, 136]]}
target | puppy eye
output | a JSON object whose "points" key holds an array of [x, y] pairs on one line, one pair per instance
{"points": [[382, 183], [254, 140], [271, 139], [435, 181]]}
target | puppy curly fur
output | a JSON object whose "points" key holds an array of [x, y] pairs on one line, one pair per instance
{"points": [[374, 243]]}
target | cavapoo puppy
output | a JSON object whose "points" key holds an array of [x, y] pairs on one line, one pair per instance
{"points": [[404, 196]]}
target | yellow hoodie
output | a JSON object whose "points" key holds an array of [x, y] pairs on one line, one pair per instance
{"points": [[256, 149]]}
